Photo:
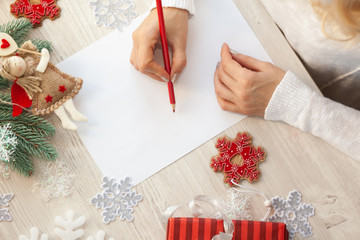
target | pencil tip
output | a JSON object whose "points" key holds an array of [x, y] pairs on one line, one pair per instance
{"points": [[173, 107]]}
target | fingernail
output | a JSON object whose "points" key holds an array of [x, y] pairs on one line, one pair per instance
{"points": [[217, 65], [174, 78], [233, 51], [164, 79]]}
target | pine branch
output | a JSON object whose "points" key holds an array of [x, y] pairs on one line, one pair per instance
{"points": [[17, 29], [4, 83], [22, 163], [5, 107], [33, 143], [30, 132], [36, 124], [40, 44]]}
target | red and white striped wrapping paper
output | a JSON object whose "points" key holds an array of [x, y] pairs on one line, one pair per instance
{"points": [[193, 228], [206, 228], [255, 230]]}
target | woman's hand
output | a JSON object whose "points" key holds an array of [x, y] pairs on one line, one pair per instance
{"points": [[147, 36], [244, 84]]}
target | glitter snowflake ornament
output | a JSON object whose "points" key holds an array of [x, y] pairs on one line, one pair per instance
{"points": [[237, 206], [113, 13], [35, 11], [293, 213], [8, 143], [4, 170], [55, 180], [117, 199], [4, 212], [237, 159]]}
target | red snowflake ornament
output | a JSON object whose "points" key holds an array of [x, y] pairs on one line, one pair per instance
{"points": [[237, 159], [35, 10]]}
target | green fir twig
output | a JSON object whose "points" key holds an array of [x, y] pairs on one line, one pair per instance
{"points": [[40, 44], [4, 83], [30, 132], [22, 163], [18, 29]]}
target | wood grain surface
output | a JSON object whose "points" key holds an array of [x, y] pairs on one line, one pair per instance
{"points": [[327, 178]]}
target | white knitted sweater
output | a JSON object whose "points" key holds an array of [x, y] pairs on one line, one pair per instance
{"points": [[334, 66]]}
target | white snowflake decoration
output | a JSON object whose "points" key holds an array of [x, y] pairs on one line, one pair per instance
{"points": [[117, 199], [99, 236], [56, 180], [34, 235], [70, 229], [293, 213], [8, 143], [4, 212], [113, 13], [237, 206], [68, 232]]}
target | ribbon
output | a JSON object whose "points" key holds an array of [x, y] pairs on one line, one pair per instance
{"points": [[197, 210], [267, 202]]}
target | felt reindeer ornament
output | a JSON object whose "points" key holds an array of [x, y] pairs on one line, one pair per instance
{"points": [[37, 83]]}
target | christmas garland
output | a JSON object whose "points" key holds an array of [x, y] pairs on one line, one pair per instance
{"points": [[22, 137]]}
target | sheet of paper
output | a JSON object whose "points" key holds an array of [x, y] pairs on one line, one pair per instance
{"points": [[131, 129]]}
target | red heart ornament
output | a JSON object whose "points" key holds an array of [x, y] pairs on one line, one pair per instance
{"points": [[5, 43]]}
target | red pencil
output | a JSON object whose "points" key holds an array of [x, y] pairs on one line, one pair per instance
{"points": [[165, 51]]}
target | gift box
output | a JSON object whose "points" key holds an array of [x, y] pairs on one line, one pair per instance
{"points": [[255, 230], [193, 228], [206, 228]]}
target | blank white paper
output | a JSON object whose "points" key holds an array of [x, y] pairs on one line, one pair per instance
{"points": [[132, 130]]}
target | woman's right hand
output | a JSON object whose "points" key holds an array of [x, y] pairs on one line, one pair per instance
{"points": [[147, 35]]}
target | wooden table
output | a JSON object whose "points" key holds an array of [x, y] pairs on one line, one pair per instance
{"points": [[326, 177]]}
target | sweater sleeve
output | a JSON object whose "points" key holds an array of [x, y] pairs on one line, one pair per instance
{"points": [[183, 4], [297, 104]]}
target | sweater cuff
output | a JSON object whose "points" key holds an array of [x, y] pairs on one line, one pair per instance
{"points": [[289, 99], [182, 4]]}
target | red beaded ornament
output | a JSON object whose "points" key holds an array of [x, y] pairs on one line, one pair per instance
{"points": [[35, 10], [245, 167]]}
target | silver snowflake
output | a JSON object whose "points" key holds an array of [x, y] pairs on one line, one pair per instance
{"points": [[4, 212], [293, 213], [117, 199], [8, 143], [114, 13]]}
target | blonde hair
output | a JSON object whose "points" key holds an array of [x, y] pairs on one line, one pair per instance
{"points": [[30, 84], [340, 19]]}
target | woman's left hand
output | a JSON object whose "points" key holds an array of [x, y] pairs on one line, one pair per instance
{"points": [[244, 84]]}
